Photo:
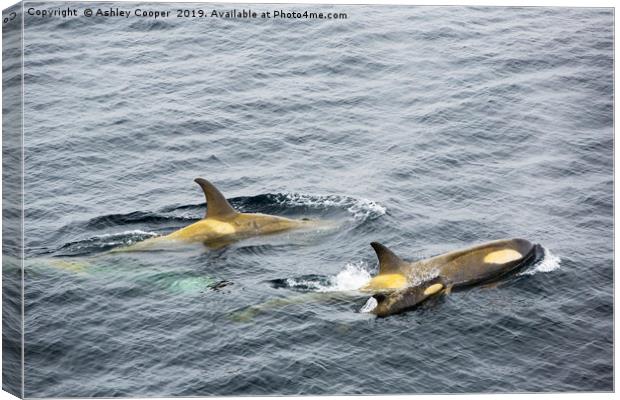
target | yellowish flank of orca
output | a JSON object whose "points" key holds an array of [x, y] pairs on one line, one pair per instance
{"points": [[212, 226], [71, 266], [385, 282]]}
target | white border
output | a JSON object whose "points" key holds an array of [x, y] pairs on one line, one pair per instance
{"points": [[545, 3]]}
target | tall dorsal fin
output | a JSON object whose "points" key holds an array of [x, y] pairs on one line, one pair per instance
{"points": [[389, 263], [217, 205]]}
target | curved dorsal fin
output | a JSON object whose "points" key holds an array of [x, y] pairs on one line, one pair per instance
{"points": [[389, 263], [217, 205]]}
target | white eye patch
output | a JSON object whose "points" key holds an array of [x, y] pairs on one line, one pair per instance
{"points": [[502, 256], [432, 289], [370, 305]]}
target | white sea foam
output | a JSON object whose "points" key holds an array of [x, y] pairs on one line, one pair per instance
{"points": [[308, 284], [361, 209], [364, 208], [127, 233], [125, 238], [352, 277], [550, 262]]}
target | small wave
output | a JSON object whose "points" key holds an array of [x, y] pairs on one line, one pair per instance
{"points": [[352, 277], [104, 242], [127, 233], [136, 217], [549, 262]]}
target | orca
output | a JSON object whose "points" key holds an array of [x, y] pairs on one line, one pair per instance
{"points": [[222, 224], [401, 285]]}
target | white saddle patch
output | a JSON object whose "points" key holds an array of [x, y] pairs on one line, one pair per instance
{"points": [[222, 228]]}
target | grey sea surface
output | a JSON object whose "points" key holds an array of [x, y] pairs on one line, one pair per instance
{"points": [[427, 129]]}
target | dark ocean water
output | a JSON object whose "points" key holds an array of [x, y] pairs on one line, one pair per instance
{"points": [[426, 128]]}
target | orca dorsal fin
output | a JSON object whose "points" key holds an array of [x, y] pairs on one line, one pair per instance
{"points": [[217, 205], [389, 263]]}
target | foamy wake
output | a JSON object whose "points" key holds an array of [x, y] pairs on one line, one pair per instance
{"points": [[128, 233], [352, 277], [122, 238], [550, 262], [361, 209]]}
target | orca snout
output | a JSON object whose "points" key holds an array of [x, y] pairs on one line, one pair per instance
{"points": [[523, 246]]}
